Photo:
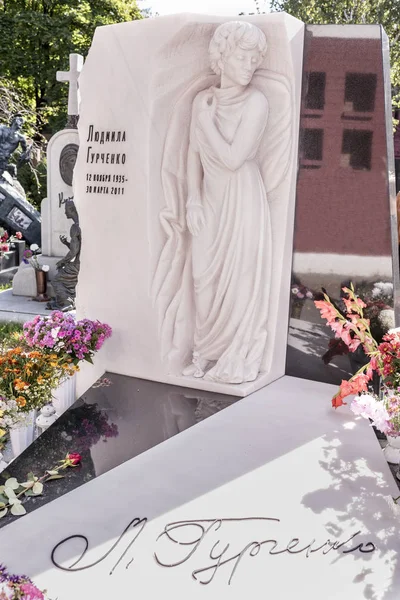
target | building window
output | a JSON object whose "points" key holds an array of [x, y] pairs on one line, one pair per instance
{"points": [[360, 91], [315, 95], [356, 149], [313, 141]]}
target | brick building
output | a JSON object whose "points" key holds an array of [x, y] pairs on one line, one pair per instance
{"points": [[343, 152]]}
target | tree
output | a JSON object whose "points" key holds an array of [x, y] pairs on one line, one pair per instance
{"points": [[36, 38], [32, 175], [345, 12]]}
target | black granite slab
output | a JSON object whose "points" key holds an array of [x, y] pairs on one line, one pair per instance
{"points": [[110, 425]]}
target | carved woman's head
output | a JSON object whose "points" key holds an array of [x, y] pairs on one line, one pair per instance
{"points": [[70, 210], [237, 49]]}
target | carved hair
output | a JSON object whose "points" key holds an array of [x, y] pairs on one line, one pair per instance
{"points": [[229, 36]]}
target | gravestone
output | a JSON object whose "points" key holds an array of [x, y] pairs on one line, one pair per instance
{"points": [[276, 492], [210, 315], [61, 157], [62, 151]]}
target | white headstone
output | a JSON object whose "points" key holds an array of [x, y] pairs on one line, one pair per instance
{"points": [[188, 167], [61, 156]]}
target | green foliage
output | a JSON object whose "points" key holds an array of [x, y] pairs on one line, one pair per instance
{"points": [[36, 38], [9, 332], [345, 12], [32, 176]]}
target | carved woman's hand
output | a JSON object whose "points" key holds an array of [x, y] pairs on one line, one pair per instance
{"points": [[195, 217]]}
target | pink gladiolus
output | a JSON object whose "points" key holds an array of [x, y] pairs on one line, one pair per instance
{"points": [[328, 311], [337, 327], [355, 342]]}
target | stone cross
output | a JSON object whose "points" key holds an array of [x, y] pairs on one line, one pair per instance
{"points": [[72, 76]]}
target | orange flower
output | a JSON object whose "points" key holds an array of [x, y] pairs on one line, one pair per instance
{"points": [[356, 384], [40, 379], [20, 385], [21, 401]]}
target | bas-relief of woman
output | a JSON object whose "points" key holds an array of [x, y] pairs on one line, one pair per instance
{"points": [[227, 215], [226, 211]]}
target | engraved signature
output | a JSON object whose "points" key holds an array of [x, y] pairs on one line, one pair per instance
{"points": [[62, 200], [191, 535]]}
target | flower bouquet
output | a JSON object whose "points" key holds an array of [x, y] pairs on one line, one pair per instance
{"points": [[29, 377], [18, 587], [30, 256], [353, 328], [60, 334], [10, 416], [6, 240], [377, 309]]}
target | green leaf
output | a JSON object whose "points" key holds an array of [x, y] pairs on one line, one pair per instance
{"points": [[12, 483], [2, 488], [31, 477], [52, 472], [9, 493], [29, 493], [3, 512], [55, 477], [18, 510], [37, 488]]}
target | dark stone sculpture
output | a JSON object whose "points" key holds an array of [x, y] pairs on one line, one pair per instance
{"points": [[10, 139], [64, 283], [16, 213]]}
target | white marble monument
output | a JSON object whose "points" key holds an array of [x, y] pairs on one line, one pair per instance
{"points": [[61, 157], [188, 161]]}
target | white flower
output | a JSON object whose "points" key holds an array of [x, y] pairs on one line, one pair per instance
{"points": [[54, 332], [395, 330], [295, 290], [381, 419], [45, 268], [364, 406], [34, 247], [382, 289], [386, 318], [6, 591]]}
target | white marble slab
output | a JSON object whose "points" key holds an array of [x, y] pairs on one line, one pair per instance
{"points": [[281, 453]]}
